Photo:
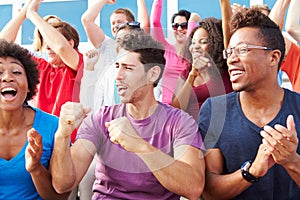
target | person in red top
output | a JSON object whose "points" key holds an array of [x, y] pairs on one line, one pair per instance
{"points": [[291, 62], [61, 73], [58, 83], [291, 66]]}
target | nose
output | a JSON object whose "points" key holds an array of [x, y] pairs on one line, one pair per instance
{"points": [[179, 28], [195, 47], [7, 77], [232, 58], [120, 74], [115, 27], [46, 46]]}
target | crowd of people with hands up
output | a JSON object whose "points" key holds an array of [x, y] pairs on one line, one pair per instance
{"points": [[137, 117]]}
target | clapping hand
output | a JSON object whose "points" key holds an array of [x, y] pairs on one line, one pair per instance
{"points": [[282, 142], [34, 150]]}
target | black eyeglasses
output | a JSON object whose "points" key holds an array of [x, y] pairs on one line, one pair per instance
{"points": [[241, 50], [183, 26], [135, 25]]}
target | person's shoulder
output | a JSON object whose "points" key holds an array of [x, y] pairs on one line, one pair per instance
{"points": [[40, 60], [219, 103], [172, 111], [44, 115], [223, 99], [296, 46], [291, 94], [107, 42], [45, 123]]}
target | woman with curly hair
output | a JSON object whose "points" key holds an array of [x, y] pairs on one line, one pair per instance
{"points": [[24, 155], [207, 75]]}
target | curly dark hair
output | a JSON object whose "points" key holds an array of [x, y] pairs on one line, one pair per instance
{"points": [[151, 51], [183, 13], [11, 49], [215, 42], [269, 33]]}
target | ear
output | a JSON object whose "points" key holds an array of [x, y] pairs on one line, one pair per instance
{"points": [[153, 73], [275, 57], [71, 42]]}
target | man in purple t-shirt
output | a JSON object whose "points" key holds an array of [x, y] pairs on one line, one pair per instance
{"points": [[145, 149]]}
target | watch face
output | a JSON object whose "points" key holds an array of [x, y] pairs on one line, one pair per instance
{"points": [[246, 165]]}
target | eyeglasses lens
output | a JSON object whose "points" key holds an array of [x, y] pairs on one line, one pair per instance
{"points": [[183, 26]]}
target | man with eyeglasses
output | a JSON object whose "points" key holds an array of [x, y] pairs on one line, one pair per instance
{"points": [[251, 135]]}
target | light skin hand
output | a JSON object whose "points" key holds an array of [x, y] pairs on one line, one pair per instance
{"points": [[282, 142], [194, 72], [71, 116], [121, 132], [33, 7], [90, 59], [27, 4], [111, 1], [201, 63], [195, 17], [34, 150]]}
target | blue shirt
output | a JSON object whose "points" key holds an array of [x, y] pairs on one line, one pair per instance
{"points": [[223, 125], [15, 181]]}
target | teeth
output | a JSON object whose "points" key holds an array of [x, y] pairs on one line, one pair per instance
{"points": [[121, 86], [237, 72], [8, 89]]}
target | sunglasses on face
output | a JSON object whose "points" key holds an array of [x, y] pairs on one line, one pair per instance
{"points": [[183, 26]]}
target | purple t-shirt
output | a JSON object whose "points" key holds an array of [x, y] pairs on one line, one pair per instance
{"points": [[123, 175]]}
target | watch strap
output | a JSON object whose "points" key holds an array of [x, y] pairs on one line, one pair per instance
{"points": [[246, 174]]}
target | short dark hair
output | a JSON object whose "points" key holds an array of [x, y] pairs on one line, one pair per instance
{"points": [[269, 32], [11, 49], [151, 51], [183, 13]]}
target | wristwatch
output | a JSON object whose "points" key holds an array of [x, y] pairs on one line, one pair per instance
{"points": [[246, 174]]}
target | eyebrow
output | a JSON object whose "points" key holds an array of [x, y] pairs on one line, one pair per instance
{"points": [[125, 64], [14, 62]]}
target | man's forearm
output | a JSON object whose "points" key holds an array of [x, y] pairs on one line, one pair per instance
{"points": [[62, 168], [42, 181], [224, 186], [185, 178]]}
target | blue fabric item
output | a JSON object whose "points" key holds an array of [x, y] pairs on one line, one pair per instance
{"points": [[238, 139], [280, 73], [15, 181], [116, 95]]}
